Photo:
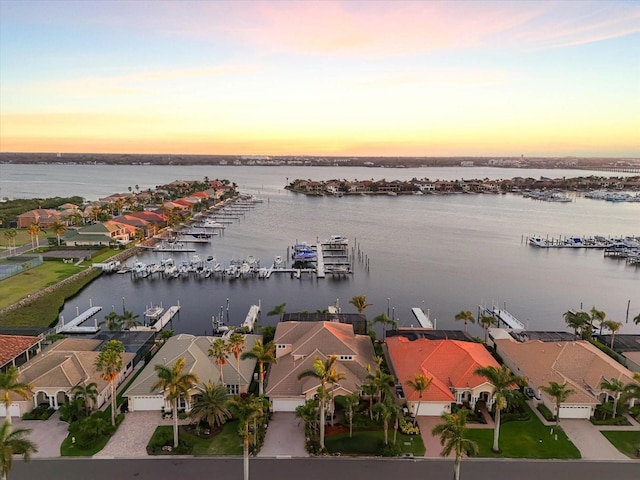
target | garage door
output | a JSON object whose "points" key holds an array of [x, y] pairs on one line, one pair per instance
{"points": [[146, 404], [570, 411], [286, 404], [14, 408], [432, 409]]}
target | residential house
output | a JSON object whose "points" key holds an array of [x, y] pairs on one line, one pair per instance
{"points": [[42, 216], [106, 233], [194, 350], [451, 364], [578, 363], [299, 344], [15, 350]]}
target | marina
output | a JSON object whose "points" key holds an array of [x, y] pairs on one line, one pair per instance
{"points": [[627, 248]]}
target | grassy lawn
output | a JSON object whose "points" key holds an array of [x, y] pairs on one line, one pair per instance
{"points": [[628, 442], [68, 449], [23, 237], [226, 442], [528, 439], [369, 442]]}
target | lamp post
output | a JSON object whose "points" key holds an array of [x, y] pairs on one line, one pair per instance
{"points": [[123, 309], [388, 307]]}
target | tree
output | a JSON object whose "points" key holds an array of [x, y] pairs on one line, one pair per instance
{"points": [[381, 381], [386, 411], [9, 384], [466, 316], [278, 310], [487, 321], [322, 371], [616, 388], [34, 231], [597, 316], [14, 443], [360, 302], [112, 321], [109, 363], [237, 343], [560, 392], [174, 383], [129, 320], [333, 377], [351, 402], [613, 326], [245, 410], [10, 235], [211, 404], [219, 351], [384, 320], [419, 384], [636, 319], [58, 228], [503, 381], [264, 354], [86, 395], [576, 320], [452, 433]]}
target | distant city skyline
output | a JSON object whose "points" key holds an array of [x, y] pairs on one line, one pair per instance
{"points": [[321, 78]]}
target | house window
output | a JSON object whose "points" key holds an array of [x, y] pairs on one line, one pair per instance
{"points": [[346, 358], [233, 389], [281, 345]]}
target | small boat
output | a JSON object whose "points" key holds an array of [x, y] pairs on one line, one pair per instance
{"points": [[304, 254], [277, 260], [538, 242], [337, 240]]}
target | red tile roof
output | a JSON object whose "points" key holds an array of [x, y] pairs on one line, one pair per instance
{"points": [[451, 363], [13, 345]]}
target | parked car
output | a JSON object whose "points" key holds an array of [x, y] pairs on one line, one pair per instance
{"points": [[529, 393]]}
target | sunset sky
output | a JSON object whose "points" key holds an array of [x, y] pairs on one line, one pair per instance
{"points": [[321, 78]]}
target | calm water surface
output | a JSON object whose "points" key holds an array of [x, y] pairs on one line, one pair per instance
{"points": [[443, 253]]}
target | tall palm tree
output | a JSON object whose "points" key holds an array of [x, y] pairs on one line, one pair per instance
{"points": [[174, 383], [466, 316], [323, 372], [369, 390], [420, 383], [245, 410], [616, 388], [560, 392], [596, 316], [86, 394], [308, 413], [487, 321], [453, 438], [360, 302], [211, 404], [34, 231], [112, 321], [14, 443], [58, 228], [237, 343], [10, 236], [109, 363], [9, 384], [382, 382], [613, 326], [503, 381], [219, 351], [386, 411], [278, 310], [384, 320], [129, 319], [576, 320], [264, 354], [333, 377], [351, 402]]}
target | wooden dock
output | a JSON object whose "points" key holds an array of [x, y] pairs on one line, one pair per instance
{"points": [[160, 323], [74, 325]]}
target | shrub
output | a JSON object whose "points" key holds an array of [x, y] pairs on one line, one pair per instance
{"points": [[546, 413], [408, 428], [389, 450], [41, 412]]}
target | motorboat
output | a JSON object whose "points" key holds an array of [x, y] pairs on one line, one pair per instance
{"points": [[337, 240], [304, 254], [278, 260], [538, 242]]}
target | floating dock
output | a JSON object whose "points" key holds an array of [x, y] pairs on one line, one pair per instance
{"points": [[505, 317], [252, 317], [160, 323], [422, 318], [74, 325]]}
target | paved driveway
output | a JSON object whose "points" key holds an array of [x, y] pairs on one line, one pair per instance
{"points": [[285, 437], [591, 443], [431, 443], [47, 435]]}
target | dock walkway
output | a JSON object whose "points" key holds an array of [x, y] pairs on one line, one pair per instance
{"points": [[74, 325], [160, 323]]}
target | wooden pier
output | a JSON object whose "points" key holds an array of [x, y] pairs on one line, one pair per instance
{"points": [[74, 325], [160, 323]]}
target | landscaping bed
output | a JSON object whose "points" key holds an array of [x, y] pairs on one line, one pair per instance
{"points": [[223, 441]]}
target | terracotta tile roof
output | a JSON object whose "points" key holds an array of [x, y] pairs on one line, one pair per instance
{"points": [[579, 363], [13, 345], [451, 363]]}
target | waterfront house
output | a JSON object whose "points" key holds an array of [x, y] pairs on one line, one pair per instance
{"points": [[298, 344], [451, 364], [194, 349], [42, 216], [104, 234], [16, 350], [578, 363]]}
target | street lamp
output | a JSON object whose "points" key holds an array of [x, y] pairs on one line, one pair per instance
{"points": [[388, 307], [123, 309]]}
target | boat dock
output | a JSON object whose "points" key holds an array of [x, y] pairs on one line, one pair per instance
{"points": [[251, 318], [422, 318], [160, 323], [74, 325], [504, 317]]}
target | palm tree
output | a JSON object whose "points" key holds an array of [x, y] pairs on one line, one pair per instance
{"points": [[174, 384], [613, 326], [323, 372], [576, 320], [109, 363], [308, 413], [597, 316], [245, 410], [384, 320], [369, 390], [9, 384], [278, 310], [420, 384], [112, 321], [219, 350], [86, 394], [616, 388], [211, 404], [14, 443], [237, 343], [382, 382], [129, 319], [360, 302], [466, 316], [386, 411], [333, 377], [58, 228], [264, 354], [351, 401], [503, 381], [636, 319], [10, 236], [560, 392], [34, 231], [487, 321], [453, 437]]}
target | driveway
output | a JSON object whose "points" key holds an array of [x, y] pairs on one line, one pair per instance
{"points": [[48, 435], [591, 443], [431, 443], [285, 437]]}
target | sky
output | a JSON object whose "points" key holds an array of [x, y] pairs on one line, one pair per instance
{"points": [[369, 78]]}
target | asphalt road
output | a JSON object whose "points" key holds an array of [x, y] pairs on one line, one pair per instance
{"points": [[319, 469]]}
